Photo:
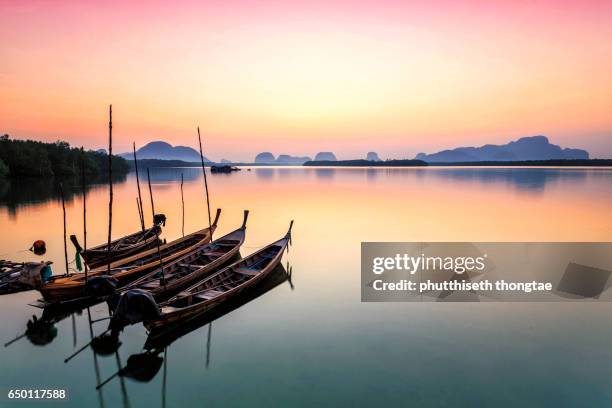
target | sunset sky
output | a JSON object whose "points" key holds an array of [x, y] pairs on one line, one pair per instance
{"points": [[298, 77]]}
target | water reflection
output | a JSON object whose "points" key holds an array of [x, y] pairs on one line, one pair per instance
{"points": [[371, 175], [16, 193], [533, 180], [526, 179], [41, 330], [323, 328], [21, 192], [264, 174], [170, 174], [325, 174], [144, 366]]}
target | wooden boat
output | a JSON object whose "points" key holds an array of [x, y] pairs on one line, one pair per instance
{"points": [[192, 267], [20, 276], [220, 286], [121, 247], [164, 337], [76, 286], [223, 169], [144, 366]]}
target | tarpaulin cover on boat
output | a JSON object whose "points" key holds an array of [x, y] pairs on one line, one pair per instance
{"points": [[135, 306]]}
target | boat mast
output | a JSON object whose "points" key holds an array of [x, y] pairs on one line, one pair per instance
{"points": [[141, 214], [161, 262], [64, 216], [110, 186], [182, 207], [205, 186], [84, 209], [139, 209]]}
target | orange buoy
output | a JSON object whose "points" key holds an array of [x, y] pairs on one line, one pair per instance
{"points": [[39, 247]]}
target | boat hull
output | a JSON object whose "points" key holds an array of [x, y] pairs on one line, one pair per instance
{"points": [[182, 315], [72, 287], [97, 258]]}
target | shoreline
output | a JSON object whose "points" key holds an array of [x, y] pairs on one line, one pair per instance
{"points": [[412, 163]]}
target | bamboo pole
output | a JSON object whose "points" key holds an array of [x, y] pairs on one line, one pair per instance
{"points": [[95, 358], [21, 336], [84, 211], [208, 339], [165, 377], [182, 207], [74, 333], [138, 185], [64, 216], [124, 394], [110, 186], [205, 186], [161, 262], [138, 209], [150, 192], [76, 353]]}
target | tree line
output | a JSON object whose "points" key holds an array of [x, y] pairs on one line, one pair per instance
{"points": [[39, 159]]}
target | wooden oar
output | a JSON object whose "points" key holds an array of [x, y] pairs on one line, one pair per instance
{"points": [[103, 383], [21, 336], [101, 319], [70, 357]]}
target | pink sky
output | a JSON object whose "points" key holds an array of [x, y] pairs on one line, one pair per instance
{"points": [[299, 77]]}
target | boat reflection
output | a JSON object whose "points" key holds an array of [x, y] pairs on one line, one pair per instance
{"points": [[42, 330], [159, 339], [141, 367], [144, 366]]}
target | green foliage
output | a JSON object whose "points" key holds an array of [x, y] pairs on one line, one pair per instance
{"points": [[32, 158]]}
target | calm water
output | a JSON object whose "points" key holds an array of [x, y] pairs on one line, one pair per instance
{"points": [[317, 344]]}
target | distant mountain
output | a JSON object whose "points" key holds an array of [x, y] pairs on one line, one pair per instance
{"points": [[265, 158], [525, 148], [372, 156], [165, 151], [268, 158], [367, 163], [288, 159], [325, 156]]}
